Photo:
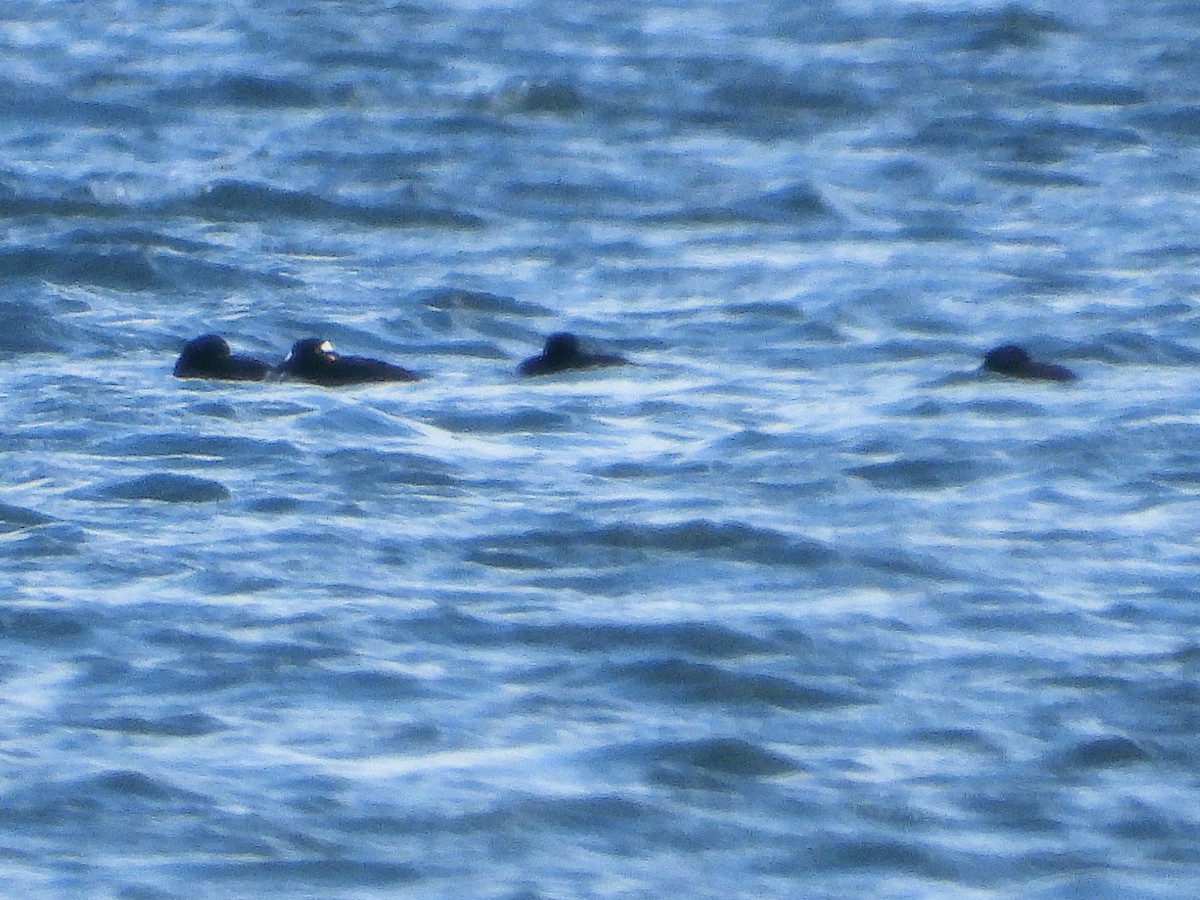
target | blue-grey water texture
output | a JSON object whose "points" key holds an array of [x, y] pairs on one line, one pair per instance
{"points": [[798, 605]]}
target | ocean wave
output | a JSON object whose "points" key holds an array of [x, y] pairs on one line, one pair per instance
{"points": [[710, 762], [749, 90], [455, 310], [17, 518], [554, 96], [1138, 347], [28, 326], [264, 876], [1021, 140], [690, 682], [1036, 176], [799, 604], [798, 204], [128, 259], [250, 91], [44, 542], [254, 201], [126, 270], [43, 200], [363, 467], [1006, 26], [613, 543], [702, 640], [243, 450], [763, 102], [166, 487], [115, 786], [922, 474], [29, 103], [173, 726], [1092, 93], [1099, 753], [884, 856], [528, 419], [1175, 120], [44, 625]]}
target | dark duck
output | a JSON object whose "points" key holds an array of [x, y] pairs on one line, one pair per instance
{"points": [[563, 353], [314, 360], [208, 356], [1014, 361]]}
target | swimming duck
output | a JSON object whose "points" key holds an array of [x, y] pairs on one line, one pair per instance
{"points": [[562, 353], [314, 360], [1014, 360], [208, 356]]}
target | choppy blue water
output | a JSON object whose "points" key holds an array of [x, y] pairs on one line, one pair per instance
{"points": [[798, 605]]}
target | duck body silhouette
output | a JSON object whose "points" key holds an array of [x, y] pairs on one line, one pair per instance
{"points": [[315, 361], [562, 353], [209, 356], [1014, 361]]}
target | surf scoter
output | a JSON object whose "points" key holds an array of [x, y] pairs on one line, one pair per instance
{"points": [[314, 360], [562, 353], [208, 356], [1015, 361]]}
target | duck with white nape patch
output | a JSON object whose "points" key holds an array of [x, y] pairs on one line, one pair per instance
{"points": [[314, 360]]}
